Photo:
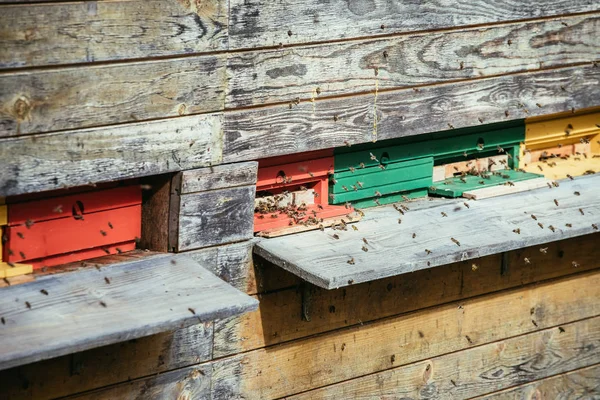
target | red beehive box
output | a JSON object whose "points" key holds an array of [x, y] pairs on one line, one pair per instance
{"points": [[57, 230], [308, 179]]}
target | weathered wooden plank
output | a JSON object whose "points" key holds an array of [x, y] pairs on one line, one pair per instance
{"points": [[189, 383], [75, 158], [439, 235], [479, 370], [277, 319], [155, 213], [219, 177], [254, 23], [582, 383], [282, 75], [77, 97], [163, 293], [349, 353], [279, 130], [108, 365], [78, 32], [216, 217]]}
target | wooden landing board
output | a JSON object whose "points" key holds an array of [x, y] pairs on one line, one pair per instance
{"points": [[495, 191], [486, 227], [66, 313]]}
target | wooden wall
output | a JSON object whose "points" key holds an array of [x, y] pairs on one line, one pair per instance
{"points": [[99, 91]]}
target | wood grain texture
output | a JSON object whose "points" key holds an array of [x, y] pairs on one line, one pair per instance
{"points": [[219, 177], [277, 130], [345, 354], [80, 32], [450, 232], [46, 100], [280, 75], [75, 158], [479, 370], [108, 365], [155, 214], [216, 217], [254, 23], [189, 383], [503, 190], [277, 318], [160, 293], [579, 384]]}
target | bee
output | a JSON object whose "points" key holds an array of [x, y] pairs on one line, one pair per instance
{"points": [[348, 205], [108, 280], [345, 188], [274, 216], [399, 220], [103, 233], [351, 261], [28, 304], [347, 143], [58, 209], [29, 223], [365, 249], [544, 250], [22, 255], [362, 214], [319, 206], [361, 165], [433, 188], [359, 184], [509, 183], [318, 91], [3, 321], [480, 120], [540, 168], [377, 193], [570, 177], [335, 117], [463, 180], [539, 105], [110, 225], [541, 225], [465, 154], [474, 267], [480, 146], [373, 157], [381, 166], [455, 241], [406, 198], [584, 140], [352, 169], [569, 225], [552, 228], [414, 235], [517, 231], [462, 65], [427, 251], [467, 204], [555, 184], [190, 309], [19, 234], [527, 261], [581, 211], [336, 236], [589, 172], [354, 227], [444, 214], [534, 217], [44, 292], [450, 126], [595, 227], [556, 202], [355, 188], [10, 264], [575, 264], [376, 201]]}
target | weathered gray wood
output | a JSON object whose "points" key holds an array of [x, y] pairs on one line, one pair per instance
{"points": [[219, 177], [256, 23], [495, 191], [155, 213], [77, 97], [74, 158], [108, 365], [187, 383], [77, 32], [579, 384], [282, 75], [487, 227], [216, 217], [82, 311], [480, 370], [279, 130]]}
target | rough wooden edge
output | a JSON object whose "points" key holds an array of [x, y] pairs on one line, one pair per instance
{"points": [[219, 177]]}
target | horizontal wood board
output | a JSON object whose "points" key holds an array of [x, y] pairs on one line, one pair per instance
{"points": [[45, 100], [278, 130], [486, 227], [83, 309], [219, 177], [84, 32], [256, 23], [333, 69], [75, 158]]}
